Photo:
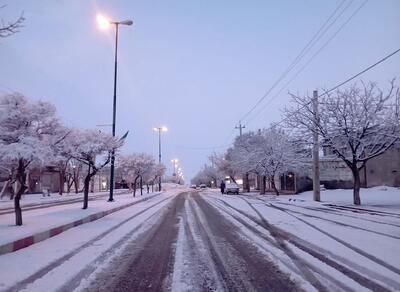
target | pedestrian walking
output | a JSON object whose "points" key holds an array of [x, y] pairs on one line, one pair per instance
{"points": [[222, 186]]}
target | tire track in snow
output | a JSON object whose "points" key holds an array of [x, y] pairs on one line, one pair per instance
{"points": [[244, 267], [301, 244], [53, 265], [331, 211], [348, 245], [355, 249], [336, 222]]}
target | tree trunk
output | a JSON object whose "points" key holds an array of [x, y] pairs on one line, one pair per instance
{"points": [[86, 191], [61, 175], [18, 210], [263, 183], [134, 186], [148, 188], [21, 177], [356, 186], [232, 178], [152, 187], [274, 186], [76, 181], [141, 186], [69, 185], [246, 182]]}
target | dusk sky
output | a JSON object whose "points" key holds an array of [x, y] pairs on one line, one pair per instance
{"points": [[196, 67]]}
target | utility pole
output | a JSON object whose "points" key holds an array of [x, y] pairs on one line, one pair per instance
{"points": [[316, 182], [240, 127], [246, 185]]}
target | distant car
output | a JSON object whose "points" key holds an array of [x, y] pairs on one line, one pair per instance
{"points": [[203, 186], [232, 188], [193, 186]]}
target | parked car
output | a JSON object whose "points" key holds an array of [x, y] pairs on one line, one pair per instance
{"points": [[203, 186], [193, 186], [232, 188]]}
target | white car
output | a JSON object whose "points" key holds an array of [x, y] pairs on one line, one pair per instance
{"points": [[232, 188], [203, 186]]}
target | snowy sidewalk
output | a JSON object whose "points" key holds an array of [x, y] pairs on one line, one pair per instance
{"points": [[35, 199], [382, 198], [41, 224]]}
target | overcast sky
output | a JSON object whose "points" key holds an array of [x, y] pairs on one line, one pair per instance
{"points": [[194, 66]]}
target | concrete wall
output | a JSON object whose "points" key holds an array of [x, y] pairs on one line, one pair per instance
{"points": [[383, 170]]}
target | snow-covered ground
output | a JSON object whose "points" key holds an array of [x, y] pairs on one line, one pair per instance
{"points": [[37, 220], [337, 246], [381, 198], [325, 245], [78, 248]]}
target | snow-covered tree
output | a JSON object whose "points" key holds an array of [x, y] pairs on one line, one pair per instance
{"points": [[356, 124], [213, 174], [136, 167], [225, 163], [27, 130], [159, 171], [63, 151], [201, 178], [92, 148], [266, 153]]}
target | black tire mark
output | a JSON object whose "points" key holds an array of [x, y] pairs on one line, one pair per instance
{"points": [[340, 223], [348, 245], [277, 232]]}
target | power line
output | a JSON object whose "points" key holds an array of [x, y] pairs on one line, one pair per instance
{"points": [[309, 61], [302, 53], [347, 81], [362, 72]]}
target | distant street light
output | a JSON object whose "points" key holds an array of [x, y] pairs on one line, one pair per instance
{"points": [[104, 23], [159, 130], [175, 163]]}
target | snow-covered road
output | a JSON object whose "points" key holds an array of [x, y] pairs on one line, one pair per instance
{"points": [[328, 247], [203, 241]]}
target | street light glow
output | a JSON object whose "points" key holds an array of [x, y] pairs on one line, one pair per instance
{"points": [[161, 129], [103, 22]]}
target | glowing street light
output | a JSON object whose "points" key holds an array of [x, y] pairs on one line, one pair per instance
{"points": [[175, 163], [104, 23]]}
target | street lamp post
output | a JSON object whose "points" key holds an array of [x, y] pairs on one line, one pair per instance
{"points": [[104, 23], [159, 130]]}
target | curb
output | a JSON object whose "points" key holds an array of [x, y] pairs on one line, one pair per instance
{"points": [[38, 237]]}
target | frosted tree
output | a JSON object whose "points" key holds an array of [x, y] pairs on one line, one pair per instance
{"points": [[158, 171], [266, 153], [213, 174], [27, 130], [356, 124], [93, 149], [63, 151], [225, 163], [201, 178], [134, 167], [208, 175]]}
